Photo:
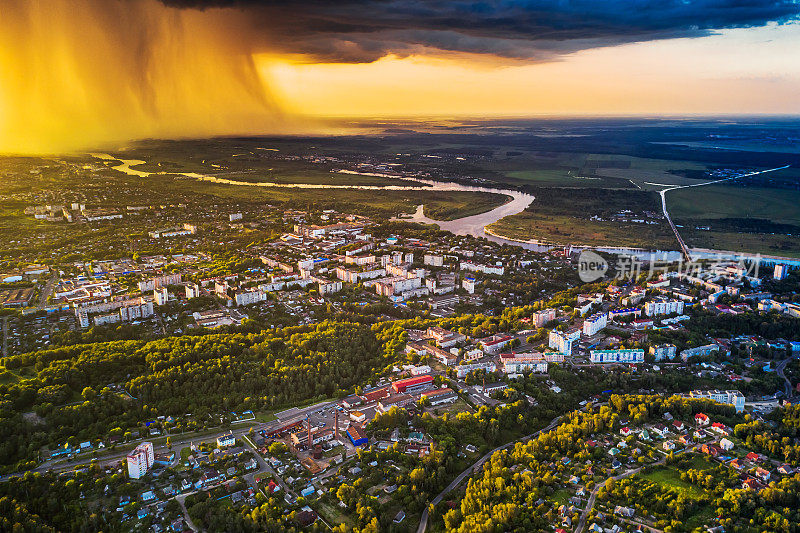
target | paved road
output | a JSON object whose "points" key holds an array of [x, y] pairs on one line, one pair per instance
{"points": [[181, 499], [61, 465], [629, 473], [266, 467], [47, 290], [779, 368], [5, 336], [593, 497], [685, 249], [423, 523]]}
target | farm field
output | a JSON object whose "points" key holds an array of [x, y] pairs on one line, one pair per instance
{"points": [[718, 201]]}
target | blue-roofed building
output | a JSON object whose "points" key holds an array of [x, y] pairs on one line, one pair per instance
{"points": [[357, 436]]}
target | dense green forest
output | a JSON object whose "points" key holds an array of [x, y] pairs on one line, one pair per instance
{"points": [[89, 391]]}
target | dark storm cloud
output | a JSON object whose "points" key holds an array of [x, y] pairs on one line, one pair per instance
{"points": [[360, 30]]}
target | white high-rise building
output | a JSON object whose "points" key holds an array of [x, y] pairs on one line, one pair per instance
{"points": [[663, 307], [140, 460], [730, 397], [161, 296], [595, 323], [192, 290], [781, 271], [563, 340]]}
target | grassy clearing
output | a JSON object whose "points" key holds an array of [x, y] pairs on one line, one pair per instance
{"points": [[671, 478], [315, 177], [561, 496], [780, 245], [462, 204], [777, 205], [459, 406], [564, 229], [562, 178], [333, 515]]}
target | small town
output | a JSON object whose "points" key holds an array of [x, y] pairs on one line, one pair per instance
{"points": [[359, 455]]}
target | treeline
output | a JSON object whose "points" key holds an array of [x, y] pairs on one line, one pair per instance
{"points": [[86, 391], [769, 325]]}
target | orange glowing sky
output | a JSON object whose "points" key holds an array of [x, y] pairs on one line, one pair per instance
{"points": [[738, 71], [78, 74]]}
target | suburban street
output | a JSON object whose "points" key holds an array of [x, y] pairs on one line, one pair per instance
{"points": [[62, 465]]}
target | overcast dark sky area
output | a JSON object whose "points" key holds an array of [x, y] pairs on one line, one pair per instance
{"points": [[360, 30]]}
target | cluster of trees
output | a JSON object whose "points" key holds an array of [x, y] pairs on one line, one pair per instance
{"points": [[669, 506], [48, 502], [215, 514], [202, 375], [769, 325], [778, 441], [504, 497]]}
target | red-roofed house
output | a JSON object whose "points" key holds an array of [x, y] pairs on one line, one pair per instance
{"points": [[701, 419], [720, 428]]}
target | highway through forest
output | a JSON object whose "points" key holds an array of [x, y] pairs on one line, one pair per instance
{"points": [[423, 523], [685, 249]]}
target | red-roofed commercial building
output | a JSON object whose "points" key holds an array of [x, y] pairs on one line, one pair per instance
{"points": [[375, 395], [411, 384]]}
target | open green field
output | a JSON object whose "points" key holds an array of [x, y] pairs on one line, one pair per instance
{"points": [[718, 201], [577, 169], [583, 216], [560, 178], [458, 204], [563, 229], [765, 244], [317, 178], [671, 478], [741, 219]]}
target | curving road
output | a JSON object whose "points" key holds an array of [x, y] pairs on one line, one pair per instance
{"points": [[423, 523], [779, 368], [685, 249]]}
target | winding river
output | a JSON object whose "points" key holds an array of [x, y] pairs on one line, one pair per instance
{"points": [[474, 225]]}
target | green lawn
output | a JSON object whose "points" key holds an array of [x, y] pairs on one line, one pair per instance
{"points": [[333, 514], [185, 453], [458, 406], [265, 416], [561, 496], [462, 204], [671, 478]]}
